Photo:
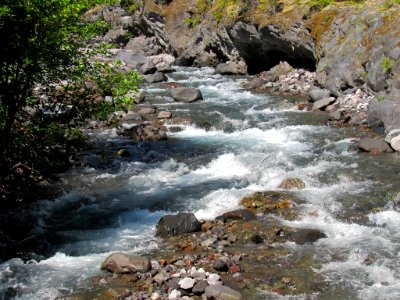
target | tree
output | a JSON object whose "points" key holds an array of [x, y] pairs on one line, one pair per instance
{"points": [[39, 46], [42, 46]]}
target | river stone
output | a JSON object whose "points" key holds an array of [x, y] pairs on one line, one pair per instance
{"points": [[384, 115], [395, 143], [147, 133], [171, 225], [304, 236], [164, 115], [156, 77], [186, 283], [321, 104], [200, 287], [220, 265], [162, 277], [374, 145], [174, 295], [393, 138], [123, 153], [222, 292], [292, 183], [240, 214], [186, 94], [123, 263], [208, 242], [146, 110]]}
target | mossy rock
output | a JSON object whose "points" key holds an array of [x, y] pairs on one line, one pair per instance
{"points": [[269, 200]]}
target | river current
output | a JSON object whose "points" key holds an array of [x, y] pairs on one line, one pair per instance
{"points": [[237, 143]]}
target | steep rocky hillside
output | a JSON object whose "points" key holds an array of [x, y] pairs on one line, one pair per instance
{"points": [[350, 44]]}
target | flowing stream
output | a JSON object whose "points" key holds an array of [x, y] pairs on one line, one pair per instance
{"points": [[238, 143]]}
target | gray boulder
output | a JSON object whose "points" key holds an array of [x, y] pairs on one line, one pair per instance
{"points": [[123, 263], [232, 68], [156, 77], [164, 115], [323, 103], [222, 292], [255, 83], [318, 94], [374, 145], [147, 68], [384, 115], [186, 94], [171, 225]]}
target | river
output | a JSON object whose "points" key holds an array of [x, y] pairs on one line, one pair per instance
{"points": [[238, 143]]}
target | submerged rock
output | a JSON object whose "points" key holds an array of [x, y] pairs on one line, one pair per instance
{"points": [[305, 236], [124, 263], [181, 223], [221, 292]]}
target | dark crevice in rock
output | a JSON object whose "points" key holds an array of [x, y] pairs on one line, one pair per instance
{"points": [[265, 48]]}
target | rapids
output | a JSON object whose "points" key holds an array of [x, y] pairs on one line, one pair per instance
{"points": [[238, 143]]}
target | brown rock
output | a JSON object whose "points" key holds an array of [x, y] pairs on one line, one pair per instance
{"points": [[123, 263]]}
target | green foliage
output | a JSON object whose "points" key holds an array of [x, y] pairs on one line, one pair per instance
{"points": [[322, 3], [132, 5], [193, 22], [112, 82], [380, 98], [387, 65]]}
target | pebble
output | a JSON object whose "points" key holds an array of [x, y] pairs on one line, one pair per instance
{"points": [[186, 283], [174, 295]]}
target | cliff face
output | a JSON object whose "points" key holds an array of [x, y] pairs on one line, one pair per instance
{"points": [[348, 44]]}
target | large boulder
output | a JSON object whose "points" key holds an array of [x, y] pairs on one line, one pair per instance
{"points": [[186, 94], [139, 62], [384, 115], [368, 144], [123, 263], [323, 103], [232, 68], [156, 77], [171, 225], [146, 133]]}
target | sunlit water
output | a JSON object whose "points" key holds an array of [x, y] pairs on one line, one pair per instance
{"points": [[251, 143]]}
